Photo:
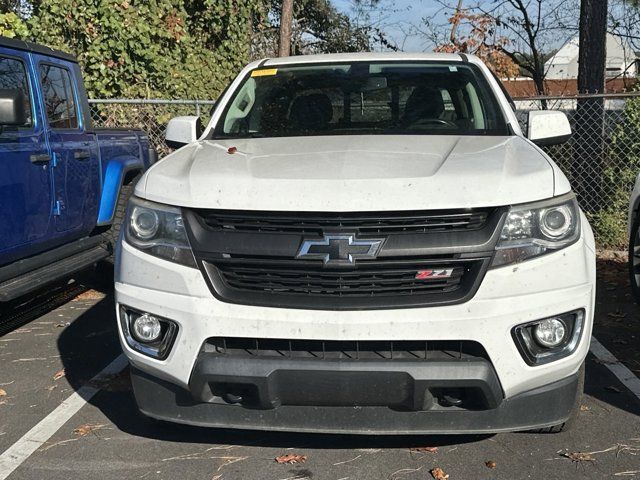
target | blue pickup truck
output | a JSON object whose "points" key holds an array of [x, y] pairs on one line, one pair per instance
{"points": [[64, 184]]}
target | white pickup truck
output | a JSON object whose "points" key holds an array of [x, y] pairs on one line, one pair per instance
{"points": [[361, 243]]}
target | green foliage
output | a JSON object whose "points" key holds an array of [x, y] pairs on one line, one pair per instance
{"points": [[155, 48], [12, 26], [618, 177]]}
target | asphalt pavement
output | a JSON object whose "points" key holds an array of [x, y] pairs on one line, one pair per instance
{"points": [[58, 353]]}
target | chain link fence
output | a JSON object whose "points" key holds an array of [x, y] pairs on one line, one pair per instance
{"points": [[151, 116], [601, 160]]}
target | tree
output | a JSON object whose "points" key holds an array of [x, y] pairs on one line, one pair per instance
{"points": [[316, 27], [590, 114], [481, 40], [286, 18], [164, 48], [12, 26], [523, 31]]}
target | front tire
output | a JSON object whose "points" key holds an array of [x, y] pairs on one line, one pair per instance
{"points": [[634, 259]]}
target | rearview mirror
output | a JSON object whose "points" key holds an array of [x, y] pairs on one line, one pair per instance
{"points": [[548, 127], [12, 107], [183, 130]]}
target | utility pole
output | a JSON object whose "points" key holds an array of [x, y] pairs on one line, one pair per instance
{"points": [[286, 19], [589, 139]]}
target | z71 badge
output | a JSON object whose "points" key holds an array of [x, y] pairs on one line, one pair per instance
{"points": [[435, 273]]}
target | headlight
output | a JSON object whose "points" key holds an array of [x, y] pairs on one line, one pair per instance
{"points": [[538, 228], [158, 230]]}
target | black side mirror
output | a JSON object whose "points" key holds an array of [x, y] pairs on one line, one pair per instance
{"points": [[12, 107]]}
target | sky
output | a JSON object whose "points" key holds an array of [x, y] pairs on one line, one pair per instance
{"points": [[398, 15]]}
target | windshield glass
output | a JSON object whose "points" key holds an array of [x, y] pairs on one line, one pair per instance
{"points": [[426, 98]]}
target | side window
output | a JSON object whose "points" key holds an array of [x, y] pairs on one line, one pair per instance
{"points": [[13, 76], [59, 101]]}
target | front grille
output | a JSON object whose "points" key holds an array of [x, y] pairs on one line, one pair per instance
{"points": [[371, 284], [251, 258], [360, 223], [311, 279], [344, 350]]}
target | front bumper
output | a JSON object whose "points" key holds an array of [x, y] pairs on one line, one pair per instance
{"points": [[538, 408], [508, 296]]}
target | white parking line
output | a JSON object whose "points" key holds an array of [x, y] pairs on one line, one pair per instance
{"points": [[623, 374], [17, 453]]}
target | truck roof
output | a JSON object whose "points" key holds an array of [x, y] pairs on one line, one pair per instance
{"points": [[367, 56], [35, 48]]}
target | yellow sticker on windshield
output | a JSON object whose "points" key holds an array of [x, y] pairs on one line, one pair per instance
{"points": [[264, 72]]}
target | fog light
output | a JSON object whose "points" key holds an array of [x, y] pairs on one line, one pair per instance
{"points": [[550, 332], [147, 328], [549, 339], [146, 333]]}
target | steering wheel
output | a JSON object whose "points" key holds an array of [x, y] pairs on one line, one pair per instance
{"points": [[437, 121]]}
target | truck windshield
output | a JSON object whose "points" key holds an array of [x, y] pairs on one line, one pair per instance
{"points": [[426, 98]]}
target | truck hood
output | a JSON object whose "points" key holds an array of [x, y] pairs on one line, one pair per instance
{"points": [[351, 173]]}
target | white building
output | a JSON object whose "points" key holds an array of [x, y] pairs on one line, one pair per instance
{"points": [[621, 60]]}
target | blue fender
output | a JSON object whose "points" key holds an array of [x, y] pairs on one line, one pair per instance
{"points": [[114, 175]]}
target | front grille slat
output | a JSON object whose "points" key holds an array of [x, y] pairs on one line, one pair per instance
{"points": [[359, 223], [347, 350], [333, 279]]}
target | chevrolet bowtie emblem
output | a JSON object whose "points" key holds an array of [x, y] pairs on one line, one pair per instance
{"points": [[336, 250]]}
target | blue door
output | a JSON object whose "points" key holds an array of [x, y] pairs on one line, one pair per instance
{"points": [[76, 173], [25, 171]]}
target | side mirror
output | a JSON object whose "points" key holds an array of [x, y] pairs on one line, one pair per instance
{"points": [[548, 127], [183, 130], [12, 107]]}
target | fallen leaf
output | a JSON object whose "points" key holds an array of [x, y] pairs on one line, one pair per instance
{"points": [[59, 374], [83, 430], [439, 474], [291, 458], [578, 457], [491, 464], [584, 408], [616, 315], [424, 449], [3, 393], [89, 295], [613, 389]]}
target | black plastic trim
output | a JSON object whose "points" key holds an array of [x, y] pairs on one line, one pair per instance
{"points": [[545, 406], [407, 384], [27, 282], [20, 267]]}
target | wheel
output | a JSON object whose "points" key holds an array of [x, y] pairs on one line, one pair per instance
{"points": [[575, 410], [634, 259], [111, 235]]}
